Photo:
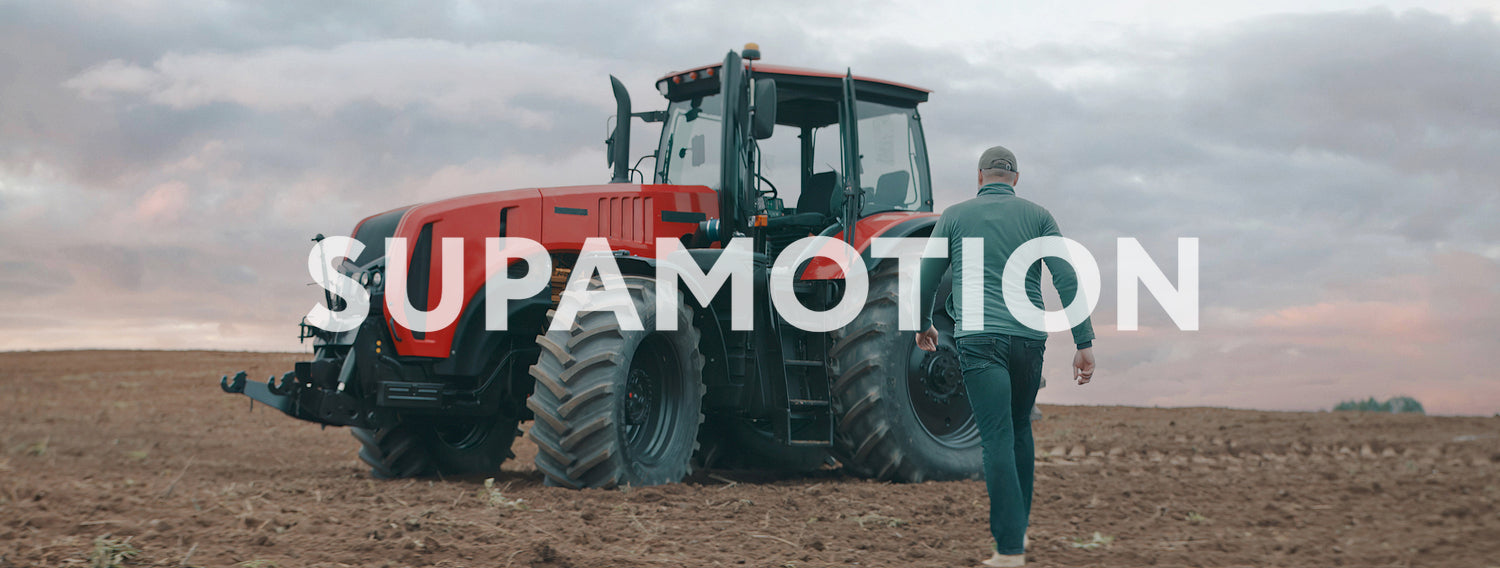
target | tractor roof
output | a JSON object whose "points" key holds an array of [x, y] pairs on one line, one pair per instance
{"points": [[675, 85]]}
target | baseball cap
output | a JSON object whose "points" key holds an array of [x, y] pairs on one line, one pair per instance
{"points": [[998, 158]]}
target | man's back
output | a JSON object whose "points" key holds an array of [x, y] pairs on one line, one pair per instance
{"points": [[1004, 222]]}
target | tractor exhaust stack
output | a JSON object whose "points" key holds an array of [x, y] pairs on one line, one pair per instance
{"points": [[618, 144]]}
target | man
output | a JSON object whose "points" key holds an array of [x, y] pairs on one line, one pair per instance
{"points": [[1002, 363]]}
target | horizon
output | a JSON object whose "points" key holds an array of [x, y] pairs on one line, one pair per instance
{"points": [[1329, 408]]}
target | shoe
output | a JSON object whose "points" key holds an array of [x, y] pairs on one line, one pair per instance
{"points": [[1005, 560]]}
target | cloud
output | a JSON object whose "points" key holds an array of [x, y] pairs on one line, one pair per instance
{"points": [[1412, 322], [455, 81], [22, 278], [164, 203]]}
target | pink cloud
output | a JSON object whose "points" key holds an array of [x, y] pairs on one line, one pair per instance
{"points": [[1410, 321], [165, 202]]}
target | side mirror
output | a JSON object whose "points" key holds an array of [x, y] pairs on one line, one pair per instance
{"points": [[765, 109]]}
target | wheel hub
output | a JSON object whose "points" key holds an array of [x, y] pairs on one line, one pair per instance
{"points": [[942, 376], [935, 383], [639, 397]]}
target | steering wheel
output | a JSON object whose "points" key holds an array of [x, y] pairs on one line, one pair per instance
{"points": [[773, 193]]}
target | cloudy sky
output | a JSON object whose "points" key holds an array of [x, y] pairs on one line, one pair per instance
{"points": [[163, 164]]}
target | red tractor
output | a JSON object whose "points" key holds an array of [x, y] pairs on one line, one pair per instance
{"points": [[611, 406]]}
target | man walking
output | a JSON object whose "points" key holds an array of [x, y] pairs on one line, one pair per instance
{"points": [[1002, 363]]}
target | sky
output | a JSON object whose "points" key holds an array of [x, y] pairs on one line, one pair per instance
{"points": [[163, 165]]}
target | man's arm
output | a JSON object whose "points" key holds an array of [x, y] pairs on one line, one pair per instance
{"points": [[1065, 279], [1066, 282], [932, 274]]}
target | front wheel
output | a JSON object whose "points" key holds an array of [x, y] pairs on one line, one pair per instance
{"points": [[447, 447], [614, 406], [905, 412]]}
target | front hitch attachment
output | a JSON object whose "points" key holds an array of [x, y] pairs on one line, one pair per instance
{"points": [[233, 387], [288, 383], [237, 384], [268, 393], [296, 396]]}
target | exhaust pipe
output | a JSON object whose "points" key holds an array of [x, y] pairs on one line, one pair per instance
{"points": [[618, 145]]}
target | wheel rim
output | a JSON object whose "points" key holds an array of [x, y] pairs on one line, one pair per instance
{"points": [[653, 396], [934, 382]]}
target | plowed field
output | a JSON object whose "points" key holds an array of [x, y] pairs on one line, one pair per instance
{"points": [[139, 451]]}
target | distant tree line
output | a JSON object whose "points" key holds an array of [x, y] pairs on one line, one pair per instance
{"points": [[1395, 405]]}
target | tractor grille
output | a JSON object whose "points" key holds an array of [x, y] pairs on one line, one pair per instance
{"points": [[625, 218]]}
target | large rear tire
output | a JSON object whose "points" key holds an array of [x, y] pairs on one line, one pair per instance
{"points": [[904, 412], [616, 407]]}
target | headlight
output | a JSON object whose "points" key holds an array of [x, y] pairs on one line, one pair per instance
{"points": [[375, 278], [362, 278]]}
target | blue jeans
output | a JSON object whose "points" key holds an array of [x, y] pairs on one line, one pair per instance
{"points": [[1002, 374]]}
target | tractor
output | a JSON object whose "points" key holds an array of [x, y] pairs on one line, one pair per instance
{"points": [[747, 151]]}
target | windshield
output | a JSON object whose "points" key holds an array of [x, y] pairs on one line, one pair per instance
{"points": [[893, 167], [690, 142], [892, 170]]}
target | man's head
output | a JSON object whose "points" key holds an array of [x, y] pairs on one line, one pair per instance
{"points": [[998, 165]]}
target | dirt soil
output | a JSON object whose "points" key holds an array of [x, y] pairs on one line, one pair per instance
{"points": [[104, 453]]}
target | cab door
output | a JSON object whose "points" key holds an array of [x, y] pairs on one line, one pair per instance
{"points": [[853, 192]]}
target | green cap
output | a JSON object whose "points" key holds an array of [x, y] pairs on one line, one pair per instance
{"points": [[998, 158]]}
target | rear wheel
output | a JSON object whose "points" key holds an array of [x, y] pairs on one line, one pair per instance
{"points": [[617, 407], [905, 414]]}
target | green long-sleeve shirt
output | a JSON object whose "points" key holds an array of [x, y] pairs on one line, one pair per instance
{"points": [[1005, 222]]}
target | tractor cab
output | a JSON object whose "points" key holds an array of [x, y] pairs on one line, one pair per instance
{"points": [[797, 151]]}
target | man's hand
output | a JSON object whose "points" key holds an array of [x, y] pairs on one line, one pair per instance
{"points": [[927, 341], [1083, 365]]}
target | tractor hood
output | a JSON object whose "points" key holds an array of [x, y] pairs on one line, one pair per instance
{"points": [[558, 217], [630, 216]]}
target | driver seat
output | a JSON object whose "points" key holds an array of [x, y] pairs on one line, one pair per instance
{"points": [[814, 209], [815, 197]]}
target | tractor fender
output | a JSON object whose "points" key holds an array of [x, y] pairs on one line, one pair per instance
{"points": [[892, 224], [647, 266], [474, 344]]}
